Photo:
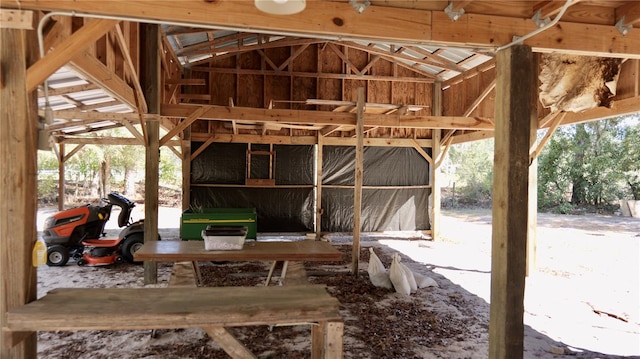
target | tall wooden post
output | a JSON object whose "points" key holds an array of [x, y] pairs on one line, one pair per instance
{"points": [[61, 185], [357, 195], [18, 168], [434, 172], [151, 85], [532, 227], [186, 168], [319, 160], [510, 198]]}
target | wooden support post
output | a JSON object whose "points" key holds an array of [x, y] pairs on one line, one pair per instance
{"points": [[186, 168], [319, 184], [357, 195], [510, 197], [18, 204], [532, 220], [434, 181], [61, 185], [150, 79]]}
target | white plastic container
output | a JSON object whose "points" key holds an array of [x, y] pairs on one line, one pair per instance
{"points": [[222, 243]]}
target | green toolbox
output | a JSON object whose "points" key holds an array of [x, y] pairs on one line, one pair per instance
{"points": [[193, 223]]}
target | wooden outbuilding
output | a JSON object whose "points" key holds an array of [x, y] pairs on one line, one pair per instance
{"points": [[358, 80]]}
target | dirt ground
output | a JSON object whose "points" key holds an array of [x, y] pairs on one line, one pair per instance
{"points": [[582, 301]]}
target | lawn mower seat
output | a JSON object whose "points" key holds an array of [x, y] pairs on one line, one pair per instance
{"points": [[125, 204]]}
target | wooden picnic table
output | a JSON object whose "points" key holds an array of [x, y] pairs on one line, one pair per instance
{"points": [[175, 251], [280, 251]]}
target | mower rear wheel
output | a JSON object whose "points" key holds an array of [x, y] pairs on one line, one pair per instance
{"points": [[57, 255], [130, 245]]}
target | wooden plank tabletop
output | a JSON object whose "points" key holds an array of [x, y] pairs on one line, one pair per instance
{"points": [[173, 307], [172, 251]]}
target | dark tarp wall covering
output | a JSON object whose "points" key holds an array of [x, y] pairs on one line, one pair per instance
{"points": [[291, 209], [278, 209], [382, 209]]}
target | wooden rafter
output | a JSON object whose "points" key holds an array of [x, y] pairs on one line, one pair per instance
{"points": [[132, 69], [535, 151], [63, 53], [95, 71], [394, 56], [182, 125]]}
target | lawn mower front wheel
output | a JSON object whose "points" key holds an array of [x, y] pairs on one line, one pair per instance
{"points": [[57, 255], [130, 245]]}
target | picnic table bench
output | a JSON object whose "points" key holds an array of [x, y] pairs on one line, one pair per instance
{"points": [[212, 309]]}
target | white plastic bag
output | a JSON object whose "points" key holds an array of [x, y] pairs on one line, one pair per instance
{"points": [[377, 272], [409, 274], [398, 277], [423, 281], [375, 264]]}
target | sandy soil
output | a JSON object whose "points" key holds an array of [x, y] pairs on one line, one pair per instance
{"points": [[583, 301]]}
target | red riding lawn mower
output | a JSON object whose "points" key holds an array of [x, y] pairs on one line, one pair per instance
{"points": [[76, 233]]}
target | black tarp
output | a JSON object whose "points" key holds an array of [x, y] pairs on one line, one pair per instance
{"points": [[383, 166], [291, 209], [382, 210], [278, 209]]}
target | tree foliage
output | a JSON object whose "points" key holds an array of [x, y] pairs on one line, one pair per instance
{"points": [[590, 164], [95, 169], [471, 165]]}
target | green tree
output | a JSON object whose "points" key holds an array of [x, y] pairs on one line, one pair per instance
{"points": [[473, 163], [585, 164], [630, 158]]}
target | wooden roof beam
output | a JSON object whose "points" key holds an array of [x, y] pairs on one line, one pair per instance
{"points": [[325, 118], [334, 20]]}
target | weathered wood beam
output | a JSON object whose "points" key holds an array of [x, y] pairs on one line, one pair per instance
{"points": [[309, 140], [94, 71], [64, 52], [106, 141], [535, 151], [344, 58], [358, 180], [320, 75], [325, 118], [134, 131], [124, 47], [224, 52], [18, 204], [395, 57], [480, 98], [182, 125], [514, 91], [335, 20], [293, 56], [71, 89], [630, 11], [17, 19], [628, 106], [150, 78], [422, 152]]}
